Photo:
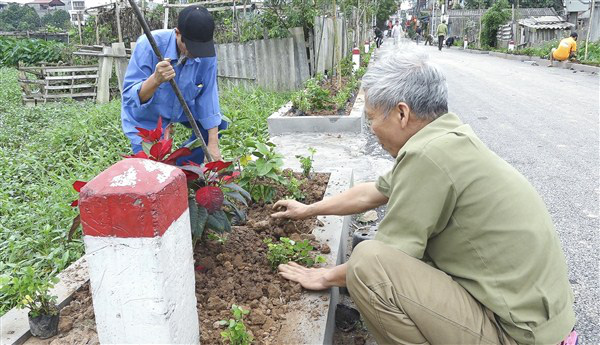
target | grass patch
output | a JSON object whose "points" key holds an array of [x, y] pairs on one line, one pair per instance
{"points": [[44, 149]]}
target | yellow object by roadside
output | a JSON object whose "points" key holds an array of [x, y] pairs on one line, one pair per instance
{"points": [[565, 47]]}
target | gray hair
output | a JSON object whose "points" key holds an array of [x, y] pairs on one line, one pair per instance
{"points": [[409, 78]]}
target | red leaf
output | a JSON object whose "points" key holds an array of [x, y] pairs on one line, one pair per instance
{"points": [[217, 165], [77, 185], [75, 203], [231, 177], [200, 269], [140, 154], [166, 148], [156, 149], [181, 152], [210, 198], [190, 176], [153, 135]]}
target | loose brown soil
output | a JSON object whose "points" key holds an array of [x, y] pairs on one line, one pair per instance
{"points": [[236, 272], [331, 86]]}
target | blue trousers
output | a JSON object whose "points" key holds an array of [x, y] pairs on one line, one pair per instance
{"points": [[197, 155]]}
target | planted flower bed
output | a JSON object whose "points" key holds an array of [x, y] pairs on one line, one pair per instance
{"points": [[238, 245], [325, 105]]}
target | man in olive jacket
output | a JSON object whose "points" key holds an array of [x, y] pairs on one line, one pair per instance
{"points": [[467, 252]]}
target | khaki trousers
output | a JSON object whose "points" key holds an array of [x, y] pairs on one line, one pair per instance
{"points": [[405, 301]]}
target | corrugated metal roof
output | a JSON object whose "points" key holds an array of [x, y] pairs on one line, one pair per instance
{"points": [[523, 12], [546, 22]]}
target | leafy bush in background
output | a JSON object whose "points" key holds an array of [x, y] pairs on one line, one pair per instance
{"points": [[32, 51], [497, 15], [19, 17]]}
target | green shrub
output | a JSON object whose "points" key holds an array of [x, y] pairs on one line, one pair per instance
{"points": [[31, 51], [497, 15]]}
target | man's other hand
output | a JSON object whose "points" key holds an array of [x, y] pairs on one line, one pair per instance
{"points": [[164, 71], [309, 278], [290, 209]]}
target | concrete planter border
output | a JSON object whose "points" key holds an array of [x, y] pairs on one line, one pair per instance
{"points": [[279, 123], [311, 320]]}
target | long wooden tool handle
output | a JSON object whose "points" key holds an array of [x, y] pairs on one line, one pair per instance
{"points": [[186, 109]]}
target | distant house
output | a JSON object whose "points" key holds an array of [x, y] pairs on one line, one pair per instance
{"points": [[532, 31], [76, 12], [532, 26], [43, 7]]}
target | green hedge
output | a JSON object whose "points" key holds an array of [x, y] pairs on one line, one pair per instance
{"points": [[32, 51]]}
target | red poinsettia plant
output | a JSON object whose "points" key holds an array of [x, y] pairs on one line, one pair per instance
{"points": [[214, 195]]}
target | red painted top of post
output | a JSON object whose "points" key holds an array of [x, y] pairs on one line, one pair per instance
{"points": [[356, 51], [133, 198]]}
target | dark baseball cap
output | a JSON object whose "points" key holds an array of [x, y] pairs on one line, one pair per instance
{"points": [[197, 26]]}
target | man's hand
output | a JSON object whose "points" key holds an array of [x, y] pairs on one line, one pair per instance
{"points": [[213, 149], [314, 278], [291, 209], [163, 72]]}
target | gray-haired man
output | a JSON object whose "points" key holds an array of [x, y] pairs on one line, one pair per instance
{"points": [[467, 252]]}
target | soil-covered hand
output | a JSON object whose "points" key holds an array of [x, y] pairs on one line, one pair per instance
{"points": [[309, 278], [164, 71], [291, 209]]}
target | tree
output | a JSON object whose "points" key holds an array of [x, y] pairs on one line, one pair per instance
{"points": [[17, 17], [497, 15], [58, 18]]}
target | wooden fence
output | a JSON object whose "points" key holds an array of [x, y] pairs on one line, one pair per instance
{"points": [[51, 83], [274, 64]]}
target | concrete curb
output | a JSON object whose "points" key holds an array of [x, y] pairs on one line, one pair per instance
{"points": [[279, 123], [540, 61], [15, 323], [311, 320]]}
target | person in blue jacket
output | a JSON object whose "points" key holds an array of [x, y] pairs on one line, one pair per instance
{"points": [[190, 59]]}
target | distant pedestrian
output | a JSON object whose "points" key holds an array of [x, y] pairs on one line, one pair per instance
{"points": [[567, 49], [450, 41], [397, 33], [418, 32], [390, 26], [378, 36], [442, 31], [428, 40]]}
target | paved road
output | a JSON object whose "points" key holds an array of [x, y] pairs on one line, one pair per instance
{"points": [[543, 121]]}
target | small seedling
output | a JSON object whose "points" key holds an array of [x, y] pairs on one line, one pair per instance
{"points": [[293, 188], [290, 250], [221, 239], [306, 162], [236, 332]]}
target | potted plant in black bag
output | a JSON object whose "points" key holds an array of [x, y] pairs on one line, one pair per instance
{"points": [[34, 293]]}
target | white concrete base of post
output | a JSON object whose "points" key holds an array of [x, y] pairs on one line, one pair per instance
{"points": [[138, 243]]}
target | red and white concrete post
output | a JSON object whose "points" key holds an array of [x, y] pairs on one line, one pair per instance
{"points": [[355, 59], [138, 245], [367, 46]]}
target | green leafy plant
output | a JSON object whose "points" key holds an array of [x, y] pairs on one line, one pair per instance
{"points": [[306, 162], [346, 66], [261, 175], [30, 291], [236, 333], [293, 187], [497, 15], [313, 97], [31, 51], [289, 250], [221, 239]]}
